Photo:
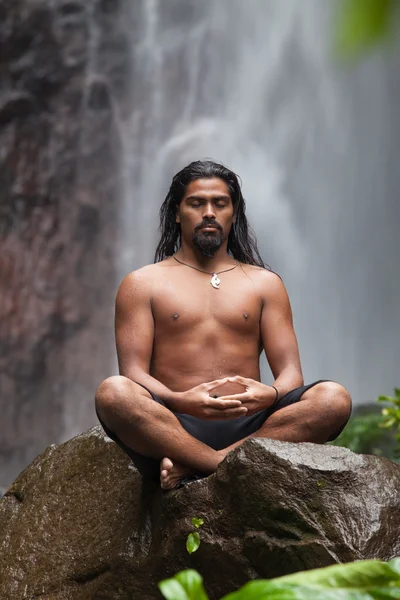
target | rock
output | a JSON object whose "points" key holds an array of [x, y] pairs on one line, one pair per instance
{"points": [[15, 105], [64, 76], [80, 523]]}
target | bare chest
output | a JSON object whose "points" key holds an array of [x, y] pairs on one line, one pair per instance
{"points": [[191, 303]]}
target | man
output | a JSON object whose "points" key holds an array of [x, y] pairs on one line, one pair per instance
{"points": [[189, 332]]}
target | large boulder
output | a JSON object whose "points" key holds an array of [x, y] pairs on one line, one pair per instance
{"points": [[80, 523]]}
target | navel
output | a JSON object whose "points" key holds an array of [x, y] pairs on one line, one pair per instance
{"points": [[246, 315], [175, 316]]}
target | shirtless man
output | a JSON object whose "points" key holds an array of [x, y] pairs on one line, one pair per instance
{"points": [[190, 329]]}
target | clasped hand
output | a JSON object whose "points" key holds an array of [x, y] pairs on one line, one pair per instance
{"points": [[198, 402], [257, 396]]}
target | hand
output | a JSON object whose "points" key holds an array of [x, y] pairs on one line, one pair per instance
{"points": [[198, 403], [257, 396]]}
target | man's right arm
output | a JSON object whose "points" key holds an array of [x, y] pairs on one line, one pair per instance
{"points": [[134, 333]]}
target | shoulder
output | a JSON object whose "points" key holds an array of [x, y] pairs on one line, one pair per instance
{"points": [[267, 283], [262, 277], [140, 282]]}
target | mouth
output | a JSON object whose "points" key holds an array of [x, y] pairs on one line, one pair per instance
{"points": [[210, 228]]}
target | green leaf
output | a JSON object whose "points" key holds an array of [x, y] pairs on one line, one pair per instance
{"points": [[362, 24], [395, 564], [192, 542], [360, 574], [265, 590], [384, 399], [363, 580], [271, 591], [172, 590], [197, 522], [185, 585]]}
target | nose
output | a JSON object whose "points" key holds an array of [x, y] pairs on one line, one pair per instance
{"points": [[209, 211]]}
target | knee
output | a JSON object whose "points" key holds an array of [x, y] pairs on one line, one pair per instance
{"points": [[110, 393], [334, 399]]}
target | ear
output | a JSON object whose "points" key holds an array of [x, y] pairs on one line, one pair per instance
{"points": [[177, 218]]}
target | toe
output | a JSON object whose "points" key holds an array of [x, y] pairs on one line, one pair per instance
{"points": [[166, 463], [166, 484]]}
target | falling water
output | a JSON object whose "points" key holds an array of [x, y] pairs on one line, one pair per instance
{"points": [[255, 85]]}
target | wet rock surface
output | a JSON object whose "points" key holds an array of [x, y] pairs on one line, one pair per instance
{"points": [[80, 523], [59, 216]]}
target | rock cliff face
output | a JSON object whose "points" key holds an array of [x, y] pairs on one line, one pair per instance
{"points": [[80, 524], [61, 65]]}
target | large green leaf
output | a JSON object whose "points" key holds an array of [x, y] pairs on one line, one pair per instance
{"points": [[272, 591], [360, 574], [363, 580], [264, 589], [185, 585], [173, 590]]}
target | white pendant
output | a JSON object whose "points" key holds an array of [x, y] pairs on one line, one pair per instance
{"points": [[215, 281]]}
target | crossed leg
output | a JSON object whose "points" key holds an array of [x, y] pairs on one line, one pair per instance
{"points": [[154, 431]]}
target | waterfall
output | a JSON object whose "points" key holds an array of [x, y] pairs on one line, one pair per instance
{"points": [[255, 85]]}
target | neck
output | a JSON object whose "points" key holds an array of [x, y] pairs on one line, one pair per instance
{"points": [[194, 257]]}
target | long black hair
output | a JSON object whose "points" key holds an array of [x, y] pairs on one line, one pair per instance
{"points": [[242, 244]]}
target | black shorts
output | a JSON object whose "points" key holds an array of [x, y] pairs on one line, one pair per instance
{"points": [[216, 434]]}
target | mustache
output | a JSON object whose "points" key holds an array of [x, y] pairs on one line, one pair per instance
{"points": [[208, 224]]}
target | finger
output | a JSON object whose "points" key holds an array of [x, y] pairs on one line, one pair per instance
{"points": [[244, 397], [219, 404], [229, 413], [216, 383], [240, 379]]}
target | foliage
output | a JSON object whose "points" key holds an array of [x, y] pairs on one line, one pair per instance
{"points": [[364, 435], [363, 580], [186, 585], [197, 522], [192, 542], [391, 415], [193, 539], [361, 24]]}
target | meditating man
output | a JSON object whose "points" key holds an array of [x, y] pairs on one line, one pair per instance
{"points": [[190, 329]]}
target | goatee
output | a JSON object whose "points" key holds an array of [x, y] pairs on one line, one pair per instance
{"points": [[208, 244]]}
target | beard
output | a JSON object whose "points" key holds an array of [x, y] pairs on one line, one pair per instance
{"points": [[208, 242]]}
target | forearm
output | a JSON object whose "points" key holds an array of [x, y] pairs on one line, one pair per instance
{"points": [[165, 394], [287, 380]]}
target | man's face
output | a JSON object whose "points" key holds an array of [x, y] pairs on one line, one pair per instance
{"points": [[206, 202]]}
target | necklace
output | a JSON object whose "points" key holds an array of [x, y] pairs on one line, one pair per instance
{"points": [[215, 280]]}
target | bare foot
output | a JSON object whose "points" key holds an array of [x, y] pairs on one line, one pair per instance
{"points": [[172, 473]]}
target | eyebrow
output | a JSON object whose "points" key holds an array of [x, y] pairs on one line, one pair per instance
{"points": [[220, 197]]}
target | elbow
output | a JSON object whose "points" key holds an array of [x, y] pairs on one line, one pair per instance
{"points": [[297, 379]]}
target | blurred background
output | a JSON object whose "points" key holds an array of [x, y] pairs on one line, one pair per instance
{"points": [[103, 101]]}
